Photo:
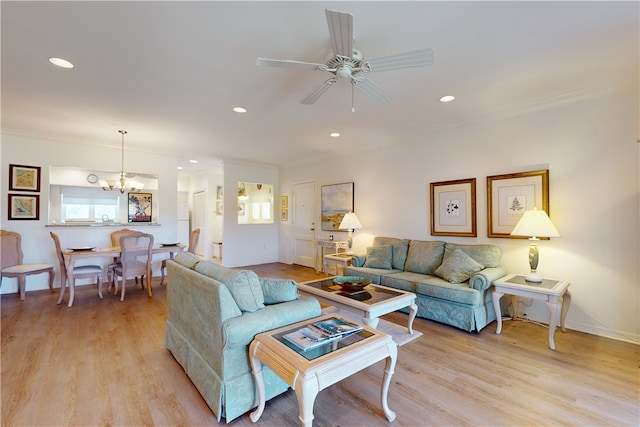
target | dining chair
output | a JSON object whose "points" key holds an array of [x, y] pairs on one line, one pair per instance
{"points": [[11, 262], [135, 260], [115, 241], [193, 244], [80, 271]]}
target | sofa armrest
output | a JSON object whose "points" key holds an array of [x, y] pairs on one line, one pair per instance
{"points": [[240, 331], [278, 290], [358, 260], [484, 278]]}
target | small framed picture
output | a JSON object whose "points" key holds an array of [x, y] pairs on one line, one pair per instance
{"points": [[24, 178], [510, 196], [453, 208], [284, 215], [284, 202], [219, 192], [26, 207], [218, 207]]}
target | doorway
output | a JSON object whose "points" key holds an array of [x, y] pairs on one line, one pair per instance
{"points": [[304, 236]]}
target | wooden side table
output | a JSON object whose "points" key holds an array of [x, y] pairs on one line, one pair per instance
{"points": [[340, 260], [553, 292]]}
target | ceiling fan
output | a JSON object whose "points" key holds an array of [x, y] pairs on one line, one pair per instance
{"points": [[345, 62]]}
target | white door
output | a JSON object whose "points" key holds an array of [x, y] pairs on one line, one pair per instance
{"points": [[199, 217], [304, 208]]}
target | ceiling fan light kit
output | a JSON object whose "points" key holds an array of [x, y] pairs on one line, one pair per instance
{"points": [[345, 62]]}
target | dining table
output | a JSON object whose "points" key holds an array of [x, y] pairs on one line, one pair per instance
{"points": [[74, 254]]}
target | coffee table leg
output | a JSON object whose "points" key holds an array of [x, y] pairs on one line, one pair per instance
{"points": [[495, 297], [256, 367], [388, 373], [371, 321], [306, 392], [413, 310]]}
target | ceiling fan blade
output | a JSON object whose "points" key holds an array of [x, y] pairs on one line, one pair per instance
{"points": [[341, 32], [370, 89], [287, 63], [319, 90], [415, 58]]}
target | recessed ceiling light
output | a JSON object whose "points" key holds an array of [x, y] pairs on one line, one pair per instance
{"points": [[193, 161], [334, 134], [63, 63], [239, 109], [447, 98], [180, 168]]}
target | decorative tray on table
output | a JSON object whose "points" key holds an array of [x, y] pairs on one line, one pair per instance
{"points": [[351, 283], [82, 248]]}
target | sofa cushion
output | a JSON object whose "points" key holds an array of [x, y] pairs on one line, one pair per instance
{"points": [[399, 249], [436, 287], [187, 259], [487, 255], [378, 257], [244, 285], [424, 257], [458, 267], [374, 274], [278, 290]]}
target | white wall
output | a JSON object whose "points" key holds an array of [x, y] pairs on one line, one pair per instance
{"points": [[247, 244], [37, 244], [590, 148]]}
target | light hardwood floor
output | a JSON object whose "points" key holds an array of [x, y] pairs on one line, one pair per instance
{"points": [[102, 362]]}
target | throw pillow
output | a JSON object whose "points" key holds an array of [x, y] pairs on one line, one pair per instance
{"points": [[379, 257], [278, 290], [244, 285], [187, 259], [458, 268]]}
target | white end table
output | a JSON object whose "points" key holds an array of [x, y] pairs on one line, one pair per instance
{"points": [[553, 292], [339, 259]]}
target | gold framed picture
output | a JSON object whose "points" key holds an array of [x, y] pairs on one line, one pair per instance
{"points": [[509, 196], [284, 215], [284, 202], [453, 208]]}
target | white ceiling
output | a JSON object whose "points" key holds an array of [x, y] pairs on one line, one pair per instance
{"points": [[170, 72]]}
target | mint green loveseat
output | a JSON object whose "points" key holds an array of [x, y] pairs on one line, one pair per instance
{"points": [[214, 313], [451, 281]]}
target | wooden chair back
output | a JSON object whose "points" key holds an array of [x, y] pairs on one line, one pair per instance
{"points": [[11, 247], [135, 254], [56, 241], [193, 240]]}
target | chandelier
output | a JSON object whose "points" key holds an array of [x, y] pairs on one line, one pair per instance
{"points": [[122, 184]]}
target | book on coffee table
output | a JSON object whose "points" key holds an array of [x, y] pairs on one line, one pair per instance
{"points": [[320, 333]]}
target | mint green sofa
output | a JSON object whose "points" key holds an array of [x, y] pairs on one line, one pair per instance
{"points": [[214, 313], [451, 281]]}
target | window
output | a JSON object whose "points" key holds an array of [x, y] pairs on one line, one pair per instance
{"points": [[81, 204]]}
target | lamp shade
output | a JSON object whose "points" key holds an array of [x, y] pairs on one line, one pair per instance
{"points": [[350, 222], [535, 223]]}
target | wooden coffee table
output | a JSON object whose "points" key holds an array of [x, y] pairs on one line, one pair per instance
{"points": [[308, 372], [373, 302]]}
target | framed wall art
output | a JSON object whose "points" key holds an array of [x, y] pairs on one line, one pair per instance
{"points": [[218, 207], [453, 208], [284, 215], [24, 178], [140, 207], [284, 202], [24, 206], [336, 201], [219, 193], [511, 195]]}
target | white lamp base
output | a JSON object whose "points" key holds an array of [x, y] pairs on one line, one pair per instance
{"points": [[533, 278]]}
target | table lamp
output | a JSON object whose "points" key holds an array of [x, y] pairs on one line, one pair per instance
{"points": [[534, 223], [350, 222]]}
